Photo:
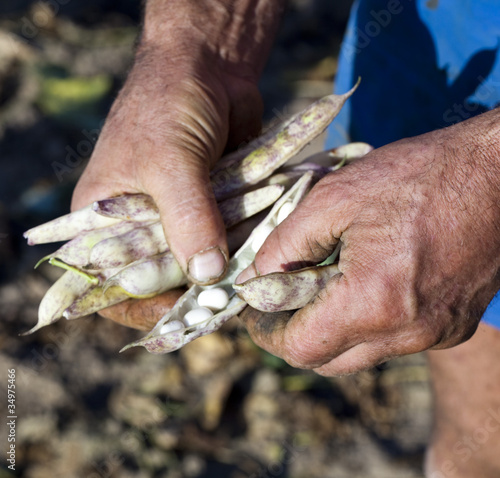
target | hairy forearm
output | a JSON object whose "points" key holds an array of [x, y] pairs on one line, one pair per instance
{"points": [[486, 132], [477, 148], [234, 35]]}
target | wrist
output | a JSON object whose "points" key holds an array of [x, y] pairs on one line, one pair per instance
{"points": [[485, 135], [473, 169], [481, 145], [231, 36]]}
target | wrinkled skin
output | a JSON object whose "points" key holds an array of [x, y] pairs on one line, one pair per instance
{"points": [[418, 219], [142, 314], [166, 148], [190, 95], [419, 223]]}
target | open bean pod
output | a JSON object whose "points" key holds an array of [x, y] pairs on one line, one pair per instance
{"points": [[117, 248], [173, 330]]}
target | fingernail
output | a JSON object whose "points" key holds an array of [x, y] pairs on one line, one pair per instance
{"points": [[250, 272], [207, 266]]}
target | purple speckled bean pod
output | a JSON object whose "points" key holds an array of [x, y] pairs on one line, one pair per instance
{"points": [[61, 295], [162, 344], [129, 207], [125, 248], [239, 208], [261, 162], [281, 291], [350, 152], [318, 171], [232, 159], [299, 169], [68, 226], [149, 277], [77, 251], [94, 300], [285, 177], [334, 158]]}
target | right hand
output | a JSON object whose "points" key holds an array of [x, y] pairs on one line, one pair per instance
{"points": [[170, 123], [418, 221]]}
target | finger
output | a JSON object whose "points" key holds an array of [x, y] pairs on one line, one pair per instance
{"points": [[142, 314], [177, 177], [382, 347], [358, 307], [360, 357], [310, 233], [307, 338], [191, 220]]}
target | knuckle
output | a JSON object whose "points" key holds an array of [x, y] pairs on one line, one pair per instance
{"points": [[302, 351], [266, 329]]}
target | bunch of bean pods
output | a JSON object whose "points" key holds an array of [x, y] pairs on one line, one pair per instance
{"points": [[117, 250]]}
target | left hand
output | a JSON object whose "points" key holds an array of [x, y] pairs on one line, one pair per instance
{"points": [[419, 223]]}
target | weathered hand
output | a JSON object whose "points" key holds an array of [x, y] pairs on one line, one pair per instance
{"points": [[419, 224], [191, 94], [164, 133]]}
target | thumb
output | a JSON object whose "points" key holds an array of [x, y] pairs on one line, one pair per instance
{"points": [[308, 236], [176, 175], [193, 226]]}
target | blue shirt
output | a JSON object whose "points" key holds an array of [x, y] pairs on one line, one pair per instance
{"points": [[424, 64]]}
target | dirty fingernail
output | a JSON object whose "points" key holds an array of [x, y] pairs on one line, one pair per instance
{"points": [[207, 266], [250, 272]]}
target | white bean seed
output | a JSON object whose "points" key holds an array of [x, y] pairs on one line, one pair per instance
{"points": [[214, 299], [261, 237], [171, 326], [284, 211], [197, 315]]}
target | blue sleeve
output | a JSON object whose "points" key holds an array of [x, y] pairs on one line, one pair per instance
{"points": [[424, 64]]}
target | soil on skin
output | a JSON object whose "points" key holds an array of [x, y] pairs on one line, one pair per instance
{"points": [[220, 407]]}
